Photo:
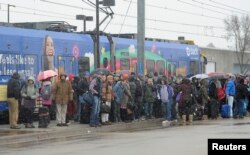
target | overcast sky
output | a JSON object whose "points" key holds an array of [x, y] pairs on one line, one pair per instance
{"points": [[198, 20]]}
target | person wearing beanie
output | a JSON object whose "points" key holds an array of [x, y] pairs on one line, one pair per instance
{"points": [[13, 95]]}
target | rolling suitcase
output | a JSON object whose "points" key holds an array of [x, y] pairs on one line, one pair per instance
{"points": [[225, 111]]}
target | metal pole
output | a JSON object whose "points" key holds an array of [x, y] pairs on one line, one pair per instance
{"points": [[84, 24], [141, 35], [8, 14], [97, 36]]}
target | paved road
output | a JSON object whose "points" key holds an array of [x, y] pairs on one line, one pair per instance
{"points": [[179, 140]]}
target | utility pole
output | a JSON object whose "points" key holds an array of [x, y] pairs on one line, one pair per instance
{"points": [[97, 52], [140, 35], [8, 13]]}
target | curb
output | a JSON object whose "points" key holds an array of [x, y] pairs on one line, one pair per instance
{"points": [[67, 133]]}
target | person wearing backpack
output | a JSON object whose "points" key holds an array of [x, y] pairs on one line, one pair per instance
{"points": [[29, 94]]}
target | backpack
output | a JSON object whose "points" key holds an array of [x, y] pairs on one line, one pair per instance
{"points": [[221, 93], [46, 92]]}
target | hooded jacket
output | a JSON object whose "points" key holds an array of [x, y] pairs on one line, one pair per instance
{"points": [[14, 87]]}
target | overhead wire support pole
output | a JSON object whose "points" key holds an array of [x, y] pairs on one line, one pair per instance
{"points": [[140, 35], [97, 50], [8, 12]]}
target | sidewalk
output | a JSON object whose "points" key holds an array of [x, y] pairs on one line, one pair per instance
{"points": [[22, 137], [36, 135]]}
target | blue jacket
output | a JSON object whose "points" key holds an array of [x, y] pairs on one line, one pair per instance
{"points": [[118, 92], [230, 88]]}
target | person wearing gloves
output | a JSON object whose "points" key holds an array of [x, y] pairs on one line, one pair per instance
{"points": [[29, 94]]}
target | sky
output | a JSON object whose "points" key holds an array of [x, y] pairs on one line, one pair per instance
{"points": [[199, 20]]}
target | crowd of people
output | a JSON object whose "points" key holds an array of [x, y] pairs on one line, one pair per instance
{"points": [[106, 99]]}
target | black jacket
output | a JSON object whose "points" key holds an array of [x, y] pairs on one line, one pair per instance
{"points": [[14, 87]]}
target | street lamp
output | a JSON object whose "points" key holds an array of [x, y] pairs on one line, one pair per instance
{"points": [[8, 14], [84, 18]]}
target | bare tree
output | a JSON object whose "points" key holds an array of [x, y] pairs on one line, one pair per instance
{"points": [[238, 30]]}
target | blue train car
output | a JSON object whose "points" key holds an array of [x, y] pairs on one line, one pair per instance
{"points": [[29, 51], [169, 59]]}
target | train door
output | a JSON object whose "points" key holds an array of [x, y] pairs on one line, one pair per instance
{"points": [[83, 65], [134, 65], [150, 66], [31, 65], [160, 67], [9, 63], [194, 67], [182, 67], [67, 64]]}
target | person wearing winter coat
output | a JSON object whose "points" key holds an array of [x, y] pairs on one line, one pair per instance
{"points": [[108, 98], [126, 112], [240, 96], [204, 97], [230, 92], [185, 104], [29, 94], [164, 100], [118, 91], [62, 91], [149, 98], [13, 95], [139, 96]]}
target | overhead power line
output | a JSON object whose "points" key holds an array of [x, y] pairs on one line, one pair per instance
{"points": [[198, 6], [129, 16], [225, 5], [180, 11], [125, 16], [218, 7], [38, 10], [20, 12], [173, 31]]}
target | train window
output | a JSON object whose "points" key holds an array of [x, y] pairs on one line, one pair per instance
{"points": [[150, 64], [182, 70], [105, 62], [31, 65], [83, 65], [61, 64], [169, 69], [48, 62], [125, 64], [9, 64], [161, 67], [194, 67], [126, 54], [174, 69]]}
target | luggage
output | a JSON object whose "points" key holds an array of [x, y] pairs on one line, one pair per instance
{"points": [[85, 114], [197, 112], [225, 111], [214, 108], [44, 118]]}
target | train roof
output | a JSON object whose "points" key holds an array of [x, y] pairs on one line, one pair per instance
{"points": [[13, 31]]}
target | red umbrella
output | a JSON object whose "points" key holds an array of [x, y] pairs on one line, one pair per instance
{"points": [[216, 74], [46, 74]]}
